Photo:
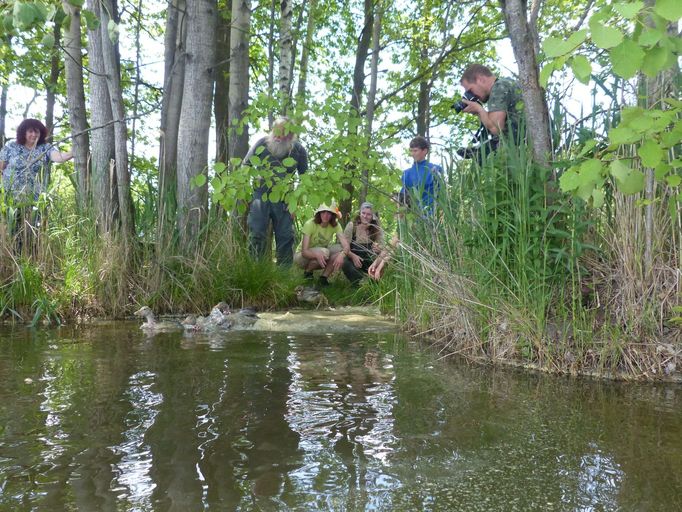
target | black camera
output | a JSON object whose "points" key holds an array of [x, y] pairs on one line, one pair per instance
{"points": [[460, 105]]}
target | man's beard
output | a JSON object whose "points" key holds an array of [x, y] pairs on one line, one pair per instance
{"points": [[279, 148]]}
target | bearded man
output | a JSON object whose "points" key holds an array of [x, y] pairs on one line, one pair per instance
{"points": [[268, 156]]}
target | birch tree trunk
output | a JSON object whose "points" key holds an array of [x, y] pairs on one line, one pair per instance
{"points": [[239, 77], [104, 197], [195, 119], [371, 95], [111, 61], [305, 53], [75, 96], [6, 61], [285, 55], [271, 63], [221, 100], [535, 105], [173, 84]]}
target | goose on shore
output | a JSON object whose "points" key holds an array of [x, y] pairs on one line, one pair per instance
{"points": [[311, 296]]}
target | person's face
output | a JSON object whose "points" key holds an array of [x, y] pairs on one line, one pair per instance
{"points": [[32, 136], [326, 217], [479, 87], [281, 133], [418, 154], [366, 215]]}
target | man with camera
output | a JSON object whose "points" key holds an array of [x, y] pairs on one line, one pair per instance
{"points": [[503, 99]]}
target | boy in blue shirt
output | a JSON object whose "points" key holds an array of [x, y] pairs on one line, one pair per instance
{"points": [[421, 181]]}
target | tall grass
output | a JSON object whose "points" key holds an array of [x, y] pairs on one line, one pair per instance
{"points": [[513, 271], [65, 267]]}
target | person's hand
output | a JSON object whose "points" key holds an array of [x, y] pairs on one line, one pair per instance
{"points": [[357, 260], [338, 261], [375, 269], [472, 107], [321, 259]]}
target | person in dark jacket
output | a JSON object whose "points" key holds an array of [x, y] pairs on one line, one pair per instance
{"points": [[276, 157]]}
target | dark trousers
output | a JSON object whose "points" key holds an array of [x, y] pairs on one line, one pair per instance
{"points": [[353, 273], [260, 215]]}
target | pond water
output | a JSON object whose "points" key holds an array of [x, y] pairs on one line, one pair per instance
{"points": [[103, 418]]}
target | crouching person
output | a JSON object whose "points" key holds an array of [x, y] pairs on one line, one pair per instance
{"points": [[366, 241], [317, 250]]}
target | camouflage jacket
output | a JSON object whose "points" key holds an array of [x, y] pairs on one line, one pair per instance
{"points": [[506, 96]]}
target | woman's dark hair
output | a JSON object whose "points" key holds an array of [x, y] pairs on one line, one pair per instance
{"points": [[373, 230], [332, 221], [28, 124]]}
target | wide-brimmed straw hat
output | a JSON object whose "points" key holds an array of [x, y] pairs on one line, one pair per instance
{"points": [[325, 208]]}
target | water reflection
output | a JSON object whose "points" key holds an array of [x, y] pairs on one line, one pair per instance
{"points": [[112, 420]]}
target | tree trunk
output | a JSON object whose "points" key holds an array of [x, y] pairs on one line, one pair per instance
{"points": [[75, 95], [221, 100], [104, 197], [136, 92], [7, 42], [271, 63], [111, 60], [371, 95], [305, 53], [195, 119], [535, 105], [173, 84], [364, 42], [239, 77], [51, 89], [285, 53]]}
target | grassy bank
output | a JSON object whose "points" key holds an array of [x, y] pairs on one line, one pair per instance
{"points": [[513, 272]]}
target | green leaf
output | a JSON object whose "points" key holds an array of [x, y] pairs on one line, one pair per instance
{"points": [[671, 10], [24, 15], [626, 58], [628, 180], [662, 170], [41, 11], [674, 180], [628, 10], [655, 61], [623, 135], [605, 37], [598, 197], [651, 153], [619, 169], [76, 3], [590, 170], [650, 37], [545, 73], [113, 30], [91, 20], [289, 162], [589, 145], [199, 180], [570, 180], [582, 68], [47, 41], [555, 47]]}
